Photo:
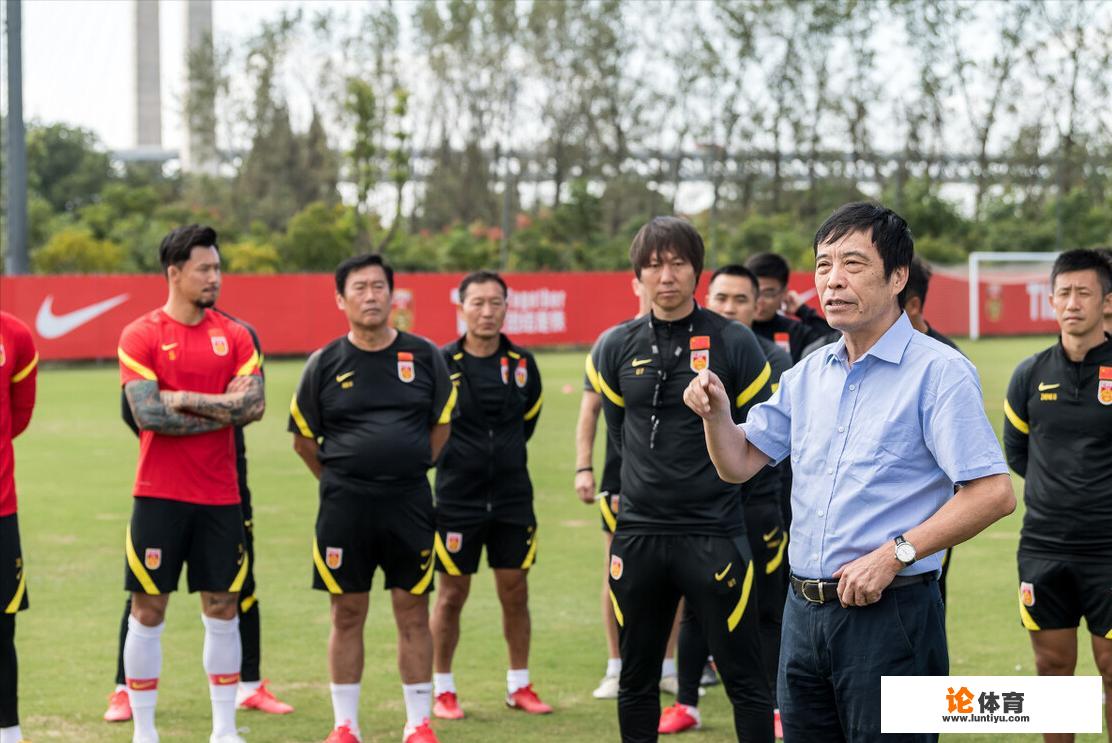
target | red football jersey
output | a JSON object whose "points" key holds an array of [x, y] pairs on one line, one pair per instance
{"points": [[197, 358], [18, 370]]}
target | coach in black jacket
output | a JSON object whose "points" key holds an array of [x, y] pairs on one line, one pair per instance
{"points": [[483, 492]]}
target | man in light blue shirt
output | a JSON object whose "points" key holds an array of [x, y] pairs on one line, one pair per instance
{"points": [[880, 427]]}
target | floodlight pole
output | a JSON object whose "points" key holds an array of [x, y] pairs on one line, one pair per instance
{"points": [[17, 262]]}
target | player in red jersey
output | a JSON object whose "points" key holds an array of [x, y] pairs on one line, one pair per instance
{"points": [[18, 370], [190, 375]]}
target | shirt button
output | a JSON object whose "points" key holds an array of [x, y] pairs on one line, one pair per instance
{"points": [[822, 513], [841, 429], [830, 471], [852, 387], [815, 556]]}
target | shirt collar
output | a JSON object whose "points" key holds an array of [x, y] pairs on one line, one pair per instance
{"points": [[889, 347]]}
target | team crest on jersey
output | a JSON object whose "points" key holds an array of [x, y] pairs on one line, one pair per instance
{"points": [[152, 558], [333, 557], [615, 503], [521, 373], [1027, 594], [700, 360], [406, 371], [616, 567], [783, 340], [453, 541], [505, 364], [219, 342], [1104, 391]]}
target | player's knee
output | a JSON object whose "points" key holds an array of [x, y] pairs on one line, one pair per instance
{"points": [[1053, 663], [514, 597], [220, 605], [148, 610], [347, 617]]}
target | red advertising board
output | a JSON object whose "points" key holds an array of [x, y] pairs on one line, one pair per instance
{"points": [[80, 317]]}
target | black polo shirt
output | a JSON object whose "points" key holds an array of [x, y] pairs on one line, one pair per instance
{"points": [[669, 485], [484, 465], [1058, 436], [372, 411]]}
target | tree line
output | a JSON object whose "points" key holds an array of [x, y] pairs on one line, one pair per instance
{"points": [[548, 131]]}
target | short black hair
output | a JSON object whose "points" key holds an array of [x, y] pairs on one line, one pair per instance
{"points": [[1083, 259], [918, 280], [667, 235], [888, 231], [177, 246], [735, 269], [362, 261], [482, 276], [770, 266]]}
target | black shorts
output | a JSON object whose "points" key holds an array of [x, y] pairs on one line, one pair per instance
{"points": [[510, 543], [1055, 594], [609, 503], [165, 534], [356, 534], [13, 581]]}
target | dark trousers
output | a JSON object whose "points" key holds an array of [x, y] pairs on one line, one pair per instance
{"points": [[831, 661], [9, 673], [768, 543], [648, 575]]}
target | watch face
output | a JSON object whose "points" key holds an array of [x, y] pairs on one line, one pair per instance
{"points": [[905, 552]]}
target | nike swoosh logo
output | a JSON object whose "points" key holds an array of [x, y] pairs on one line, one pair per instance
{"points": [[345, 375], [426, 563], [141, 685], [720, 576], [48, 325], [768, 536], [1045, 387], [225, 680], [641, 362], [168, 346]]}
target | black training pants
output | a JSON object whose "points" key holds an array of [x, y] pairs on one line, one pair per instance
{"points": [[715, 575]]}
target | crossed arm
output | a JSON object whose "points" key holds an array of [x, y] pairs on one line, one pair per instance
{"points": [[182, 413]]}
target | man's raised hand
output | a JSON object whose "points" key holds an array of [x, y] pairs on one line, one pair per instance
{"points": [[706, 396]]}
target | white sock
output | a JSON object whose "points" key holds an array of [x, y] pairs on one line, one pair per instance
{"points": [[11, 735], [345, 706], [668, 667], [693, 711], [245, 690], [442, 683], [613, 666], [120, 687], [142, 666], [222, 656], [516, 679], [418, 703]]}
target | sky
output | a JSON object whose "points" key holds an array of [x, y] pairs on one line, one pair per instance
{"points": [[78, 60]]}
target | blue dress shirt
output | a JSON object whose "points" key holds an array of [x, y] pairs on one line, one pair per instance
{"points": [[876, 449]]}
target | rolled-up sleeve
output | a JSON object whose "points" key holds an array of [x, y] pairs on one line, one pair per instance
{"points": [[955, 428], [769, 424]]}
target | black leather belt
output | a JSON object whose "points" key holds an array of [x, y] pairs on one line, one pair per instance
{"points": [[825, 590]]}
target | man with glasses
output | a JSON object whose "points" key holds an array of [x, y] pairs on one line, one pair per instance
{"points": [[680, 529], [772, 273]]}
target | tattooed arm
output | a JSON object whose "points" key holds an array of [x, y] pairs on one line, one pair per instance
{"points": [[243, 402], [152, 414]]}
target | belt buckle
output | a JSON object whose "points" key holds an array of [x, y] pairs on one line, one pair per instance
{"points": [[818, 591]]}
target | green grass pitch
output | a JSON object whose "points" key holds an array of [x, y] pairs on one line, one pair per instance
{"points": [[74, 470]]}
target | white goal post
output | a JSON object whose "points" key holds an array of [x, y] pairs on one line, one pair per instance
{"points": [[976, 258]]}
